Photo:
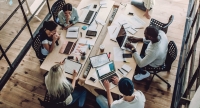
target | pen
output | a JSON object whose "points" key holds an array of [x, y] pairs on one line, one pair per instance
{"points": [[109, 54], [112, 40], [84, 7], [88, 37], [81, 34], [139, 28], [115, 29], [125, 70], [121, 71]]}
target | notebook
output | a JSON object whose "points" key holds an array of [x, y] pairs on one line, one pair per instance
{"points": [[70, 66], [72, 32]]}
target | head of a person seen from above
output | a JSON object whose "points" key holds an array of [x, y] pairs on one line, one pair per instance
{"points": [[50, 28], [67, 9], [152, 33]]}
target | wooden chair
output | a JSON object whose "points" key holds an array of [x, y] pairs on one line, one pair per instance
{"points": [[37, 48], [160, 25], [171, 56], [56, 8]]}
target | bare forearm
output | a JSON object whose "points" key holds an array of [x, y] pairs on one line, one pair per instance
{"points": [[73, 83], [110, 99]]}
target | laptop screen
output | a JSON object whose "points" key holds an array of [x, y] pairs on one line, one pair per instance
{"points": [[121, 36], [105, 69]]}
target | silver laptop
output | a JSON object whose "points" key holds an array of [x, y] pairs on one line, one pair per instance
{"points": [[88, 16], [106, 72]]}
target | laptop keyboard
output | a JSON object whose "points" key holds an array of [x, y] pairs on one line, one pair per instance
{"points": [[89, 15], [68, 47], [108, 77]]}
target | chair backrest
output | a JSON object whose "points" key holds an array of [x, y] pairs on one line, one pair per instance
{"points": [[160, 25], [56, 8], [37, 46], [171, 55]]}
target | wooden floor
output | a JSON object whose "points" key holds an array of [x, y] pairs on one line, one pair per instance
{"points": [[27, 82]]}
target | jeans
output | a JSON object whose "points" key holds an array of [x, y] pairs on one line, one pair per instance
{"points": [[79, 94], [102, 101], [138, 69], [139, 4]]}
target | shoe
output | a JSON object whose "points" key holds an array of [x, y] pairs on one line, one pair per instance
{"points": [[139, 77]]}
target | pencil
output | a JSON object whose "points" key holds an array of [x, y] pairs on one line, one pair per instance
{"points": [[115, 29], [88, 37], [121, 71]]}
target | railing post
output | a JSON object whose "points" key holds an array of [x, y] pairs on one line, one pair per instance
{"points": [[4, 54]]}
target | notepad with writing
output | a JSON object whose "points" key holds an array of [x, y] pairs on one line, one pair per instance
{"points": [[126, 68], [72, 32], [70, 66]]}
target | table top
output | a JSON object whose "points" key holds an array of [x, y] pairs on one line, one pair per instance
{"points": [[55, 56], [107, 42]]}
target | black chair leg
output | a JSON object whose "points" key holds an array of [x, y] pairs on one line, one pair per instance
{"points": [[149, 83], [168, 85]]}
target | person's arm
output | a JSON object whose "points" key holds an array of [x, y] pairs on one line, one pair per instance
{"points": [[76, 19], [62, 19], [142, 62], [109, 96], [48, 47], [74, 79]]}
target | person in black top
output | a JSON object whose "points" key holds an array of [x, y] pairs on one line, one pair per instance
{"points": [[61, 90], [48, 37]]}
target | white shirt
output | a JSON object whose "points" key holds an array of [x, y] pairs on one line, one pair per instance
{"points": [[155, 54], [43, 50], [138, 101], [149, 4]]}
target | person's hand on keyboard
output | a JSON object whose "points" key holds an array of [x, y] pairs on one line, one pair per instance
{"points": [[115, 80], [106, 84]]}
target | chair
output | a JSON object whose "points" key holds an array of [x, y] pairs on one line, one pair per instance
{"points": [[56, 8], [48, 103], [160, 25], [171, 56], [37, 48]]}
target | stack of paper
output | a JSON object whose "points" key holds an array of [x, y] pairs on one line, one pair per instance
{"points": [[72, 32], [113, 32]]}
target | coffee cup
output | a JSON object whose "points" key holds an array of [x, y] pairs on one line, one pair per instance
{"points": [[102, 47]]}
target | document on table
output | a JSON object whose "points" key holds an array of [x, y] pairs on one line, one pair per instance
{"points": [[138, 22], [118, 52], [72, 32], [113, 32], [103, 3], [80, 48], [86, 41], [100, 21], [70, 66], [93, 26]]}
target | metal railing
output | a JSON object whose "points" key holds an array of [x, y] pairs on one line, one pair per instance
{"points": [[19, 57], [185, 71]]}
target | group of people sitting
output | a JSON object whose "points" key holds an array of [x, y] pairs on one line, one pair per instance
{"points": [[153, 54]]}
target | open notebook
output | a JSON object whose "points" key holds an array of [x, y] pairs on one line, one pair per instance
{"points": [[72, 32], [70, 66]]}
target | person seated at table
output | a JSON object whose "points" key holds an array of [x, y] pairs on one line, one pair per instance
{"points": [[145, 5], [61, 90], [48, 37], [68, 16], [153, 53], [131, 98]]}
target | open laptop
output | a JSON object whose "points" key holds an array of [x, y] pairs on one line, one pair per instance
{"points": [[88, 16], [106, 72], [67, 47], [122, 39]]}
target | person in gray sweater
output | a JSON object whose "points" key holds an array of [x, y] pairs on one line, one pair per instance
{"points": [[154, 51], [68, 16]]}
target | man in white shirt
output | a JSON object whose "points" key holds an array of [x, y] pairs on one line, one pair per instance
{"points": [[153, 54], [145, 5], [131, 98]]}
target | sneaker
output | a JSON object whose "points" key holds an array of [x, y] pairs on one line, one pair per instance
{"points": [[139, 77]]}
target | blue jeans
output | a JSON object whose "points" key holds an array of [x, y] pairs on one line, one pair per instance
{"points": [[102, 101], [139, 4], [79, 94]]}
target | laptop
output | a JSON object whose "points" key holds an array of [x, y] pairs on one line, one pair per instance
{"points": [[106, 72], [67, 47], [88, 16], [122, 39]]}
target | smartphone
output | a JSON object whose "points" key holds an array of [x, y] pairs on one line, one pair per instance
{"points": [[92, 79], [94, 6], [70, 57], [130, 13], [127, 55]]}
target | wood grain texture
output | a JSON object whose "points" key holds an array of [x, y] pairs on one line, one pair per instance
{"points": [[27, 82]]}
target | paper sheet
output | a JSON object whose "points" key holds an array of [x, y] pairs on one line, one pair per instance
{"points": [[118, 54], [103, 4], [113, 32], [86, 41], [80, 48], [138, 22], [93, 26], [100, 21]]}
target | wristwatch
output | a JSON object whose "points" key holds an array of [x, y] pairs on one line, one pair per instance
{"points": [[133, 50]]}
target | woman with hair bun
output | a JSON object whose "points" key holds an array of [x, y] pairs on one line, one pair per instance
{"points": [[48, 37], [68, 16], [61, 90]]}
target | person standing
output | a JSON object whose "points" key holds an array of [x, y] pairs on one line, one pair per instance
{"points": [[145, 5]]}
